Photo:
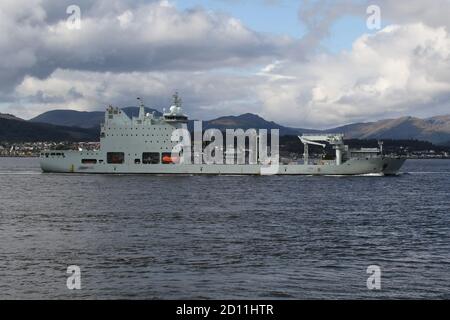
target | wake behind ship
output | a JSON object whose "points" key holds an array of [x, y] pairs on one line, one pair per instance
{"points": [[143, 145]]}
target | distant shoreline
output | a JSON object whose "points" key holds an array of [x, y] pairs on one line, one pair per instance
{"points": [[37, 156], [19, 156]]}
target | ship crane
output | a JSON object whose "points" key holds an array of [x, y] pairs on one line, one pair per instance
{"points": [[337, 140]]}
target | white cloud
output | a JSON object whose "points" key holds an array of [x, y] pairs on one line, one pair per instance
{"points": [[399, 70], [130, 48], [216, 93], [116, 37], [433, 13]]}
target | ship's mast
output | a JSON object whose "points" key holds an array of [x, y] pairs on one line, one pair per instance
{"points": [[177, 100], [141, 108]]}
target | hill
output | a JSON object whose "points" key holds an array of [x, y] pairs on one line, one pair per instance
{"points": [[251, 121], [13, 130], [82, 119], [435, 129], [9, 117]]}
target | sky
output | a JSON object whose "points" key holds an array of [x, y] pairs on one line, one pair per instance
{"points": [[304, 63]]}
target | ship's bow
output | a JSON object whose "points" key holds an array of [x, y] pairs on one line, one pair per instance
{"points": [[391, 166]]}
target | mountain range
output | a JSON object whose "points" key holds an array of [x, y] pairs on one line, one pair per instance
{"points": [[82, 119], [71, 125], [13, 129], [435, 129]]}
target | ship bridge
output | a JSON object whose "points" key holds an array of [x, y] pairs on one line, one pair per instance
{"points": [[175, 113]]}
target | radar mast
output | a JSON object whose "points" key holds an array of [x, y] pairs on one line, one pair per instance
{"points": [[141, 108], [177, 100]]}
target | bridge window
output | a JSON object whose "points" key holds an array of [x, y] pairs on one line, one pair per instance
{"points": [[115, 157]]}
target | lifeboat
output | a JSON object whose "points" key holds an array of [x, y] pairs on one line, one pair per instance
{"points": [[169, 159]]}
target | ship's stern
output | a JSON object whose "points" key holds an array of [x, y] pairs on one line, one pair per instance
{"points": [[58, 161]]}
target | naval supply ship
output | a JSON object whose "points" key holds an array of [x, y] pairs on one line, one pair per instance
{"points": [[143, 145]]}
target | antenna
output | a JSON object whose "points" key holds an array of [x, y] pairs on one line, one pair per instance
{"points": [[176, 99], [141, 103], [380, 144], [141, 108]]}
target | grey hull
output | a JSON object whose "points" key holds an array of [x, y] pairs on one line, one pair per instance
{"points": [[392, 166], [72, 163]]}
